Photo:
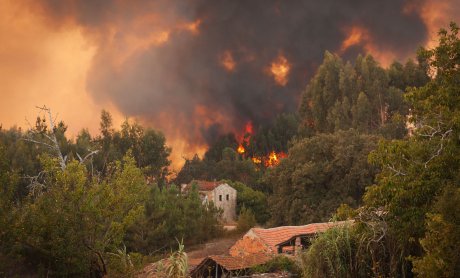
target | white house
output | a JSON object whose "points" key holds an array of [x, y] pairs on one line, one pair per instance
{"points": [[221, 194]]}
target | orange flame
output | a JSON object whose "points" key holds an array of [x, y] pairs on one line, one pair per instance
{"points": [[274, 159], [227, 61], [270, 160], [280, 68], [358, 35], [241, 149], [257, 160], [244, 138]]}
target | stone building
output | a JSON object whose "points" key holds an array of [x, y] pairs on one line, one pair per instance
{"points": [[221, 194], [257, 247]]}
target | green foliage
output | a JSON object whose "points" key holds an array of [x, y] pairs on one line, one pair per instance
{"points": [[8, 212], [214, 153], [246, 220], [344, 212], [21, 157], [418, 170], [331, 255], [70, 226], [319, 174], [177, 263], [168, 215], [253, 200], [121, 262], [363, 248], [278, 264], [363, 96], [231, 167], [273, 137], [193, 169], [440, 243], [147, 146]]}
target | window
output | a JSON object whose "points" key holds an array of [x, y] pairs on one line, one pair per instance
{"points": [[227, 197], [220, 198]]}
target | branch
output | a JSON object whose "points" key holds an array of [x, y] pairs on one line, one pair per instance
{"points": [[89, 155], [398, 173], [35, 186], [54, 145], [39, 142], [441, 146]]}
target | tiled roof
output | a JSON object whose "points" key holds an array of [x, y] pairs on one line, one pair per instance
{"points": [[274, 236], [204, 185], [234, 263], [193, 262]]}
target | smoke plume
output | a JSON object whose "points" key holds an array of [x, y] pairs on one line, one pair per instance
{"points": [[196, 69]]}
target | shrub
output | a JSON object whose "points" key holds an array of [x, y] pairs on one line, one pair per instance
{"points": [[246, 220], [278, 264]]}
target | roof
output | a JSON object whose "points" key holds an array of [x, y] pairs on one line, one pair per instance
{"points": [[204, 185], [231, 263], [274, 236]]}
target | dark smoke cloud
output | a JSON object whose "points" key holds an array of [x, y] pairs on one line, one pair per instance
{"points": [[164, 84]]}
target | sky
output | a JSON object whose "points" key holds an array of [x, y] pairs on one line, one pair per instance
{"points": [[192, 69]]}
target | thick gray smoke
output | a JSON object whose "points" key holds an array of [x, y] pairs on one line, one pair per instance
{"points": [[181, 84]]}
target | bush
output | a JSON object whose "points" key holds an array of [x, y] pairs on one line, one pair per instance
{"points": [[246, 220], [278, 264]]}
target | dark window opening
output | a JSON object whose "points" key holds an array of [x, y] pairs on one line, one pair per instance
{"points": [[228, 197], [220, 197]]}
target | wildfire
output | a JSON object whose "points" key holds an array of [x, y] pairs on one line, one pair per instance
{"points": [[280, 70], [270, 160], [241, 149], [227, 61], [257, 160], [274, 159], [356, 35], [244, 138]]}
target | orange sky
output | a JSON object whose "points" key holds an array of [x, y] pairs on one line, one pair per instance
{"points": [[41, 64]]}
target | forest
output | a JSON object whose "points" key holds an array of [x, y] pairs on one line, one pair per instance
{"points": [[380, 146]]}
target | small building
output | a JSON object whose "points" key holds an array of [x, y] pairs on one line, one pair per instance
{"points": [[258, 246], [221, 194], [279, 240], [227, 266]]}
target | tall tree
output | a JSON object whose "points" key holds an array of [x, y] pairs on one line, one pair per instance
{"points": [[417, 170], [319, 174]]}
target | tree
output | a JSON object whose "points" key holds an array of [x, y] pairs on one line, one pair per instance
{"points": [[170, 215], [363, 96], [319, 174], [253, 200], [440, 243], [69, 227], [8, 211], [246, 220], [147, 146], [418, 170]]}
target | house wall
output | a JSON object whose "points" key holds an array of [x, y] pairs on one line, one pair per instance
{"points": [[219, 197]]}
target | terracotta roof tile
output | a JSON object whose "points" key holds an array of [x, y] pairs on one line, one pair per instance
{"points": [[274, 236], [204, 185]]}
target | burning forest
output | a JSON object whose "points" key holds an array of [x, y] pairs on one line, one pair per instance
{"points": [[209, 67], [244, 145], [163, 120]]}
